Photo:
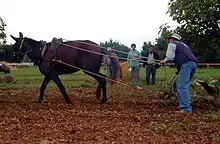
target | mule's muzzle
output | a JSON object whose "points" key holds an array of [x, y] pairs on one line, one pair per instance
{"points": [[16, 60], [18, 57]]}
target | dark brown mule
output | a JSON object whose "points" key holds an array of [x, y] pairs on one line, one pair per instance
{"points": [[41, 54]]}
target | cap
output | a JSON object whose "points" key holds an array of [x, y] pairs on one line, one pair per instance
{"points": [[176, 36]]}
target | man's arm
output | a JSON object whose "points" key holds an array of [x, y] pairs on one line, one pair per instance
{"points": [[128, 59], [139, 56], [116, 57], [170, 54], [157, 56], [145, 59]]}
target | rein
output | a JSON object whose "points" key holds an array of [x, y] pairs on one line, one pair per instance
{"points": [[115, 81], [43, 50], [112, 49], [98, 53], [22, 41]]}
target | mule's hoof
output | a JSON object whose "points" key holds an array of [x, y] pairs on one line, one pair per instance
{"points": [[68, 101], [98, 95], [40, 101]]}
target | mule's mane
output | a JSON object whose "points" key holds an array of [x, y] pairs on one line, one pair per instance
{"points": [[32, 42], [89, 41]]}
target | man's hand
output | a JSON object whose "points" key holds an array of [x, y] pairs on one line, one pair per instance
{"points": [[162, 62], [176, 72]]}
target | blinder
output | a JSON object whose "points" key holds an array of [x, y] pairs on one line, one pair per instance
{"points": [[18, 54]]}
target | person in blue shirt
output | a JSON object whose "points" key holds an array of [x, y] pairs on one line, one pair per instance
{"points": [[133, 59], [186, 64]]}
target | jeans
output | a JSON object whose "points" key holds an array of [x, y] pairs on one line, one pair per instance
{"points": [[109, 71], [112, 71], [187, 71], [134, 74], [137, 74], [150, 69]]}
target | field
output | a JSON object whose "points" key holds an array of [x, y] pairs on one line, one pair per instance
{"points": [[131, 116]]}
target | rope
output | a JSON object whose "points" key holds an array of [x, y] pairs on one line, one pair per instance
{"points": [[98, 53], [59, 61], [112, 49], [165, 73], [121, 83], [165, 77]]}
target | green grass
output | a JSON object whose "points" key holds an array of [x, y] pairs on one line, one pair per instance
{"points": [[31, 77]]}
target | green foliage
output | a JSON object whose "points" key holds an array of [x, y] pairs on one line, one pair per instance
{"points": [[31, 77], [6, 52], [2, 32], [162, 41], [198, 25], [145, 48], [115, 45]]}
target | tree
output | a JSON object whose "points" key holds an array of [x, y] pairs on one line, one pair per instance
{"points": [[116, 45], [2, 32], [165, 33], [145, 48], [198, 24], [6, 53], [162, 41], [5, 49]]}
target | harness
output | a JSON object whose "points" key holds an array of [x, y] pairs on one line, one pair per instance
{"points": [[54, 46], [42, 49]]}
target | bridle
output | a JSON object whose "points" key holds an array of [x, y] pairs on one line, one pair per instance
{"points": [[19, 53]]}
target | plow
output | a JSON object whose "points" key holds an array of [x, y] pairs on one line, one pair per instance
{"points": [[199, 89]]}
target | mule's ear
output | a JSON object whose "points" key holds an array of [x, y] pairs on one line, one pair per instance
{"points": [[20, 35], [14, 38]]}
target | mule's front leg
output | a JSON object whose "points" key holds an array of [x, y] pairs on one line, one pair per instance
{"points": [[104, 93], [98, 91], [58, 82], [43, 87]]}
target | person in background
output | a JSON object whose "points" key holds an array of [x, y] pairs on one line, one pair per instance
{"points": [[186, 64], [151, 65], [111, 63], [133, 63], [138, 72]]}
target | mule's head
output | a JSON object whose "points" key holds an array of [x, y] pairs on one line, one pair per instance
{"points": [[17, 48]]}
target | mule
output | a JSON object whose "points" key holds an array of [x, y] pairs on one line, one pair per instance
{"points": [[41, 53]]}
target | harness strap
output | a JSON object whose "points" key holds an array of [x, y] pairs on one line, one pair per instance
{"points": [[43, 50]]}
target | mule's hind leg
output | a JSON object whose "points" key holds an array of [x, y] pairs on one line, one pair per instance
{"points": [[43, 87], [58, 82], [101, 85]]}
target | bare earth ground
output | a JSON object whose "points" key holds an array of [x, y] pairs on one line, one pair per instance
{"points": [[130, 118]]}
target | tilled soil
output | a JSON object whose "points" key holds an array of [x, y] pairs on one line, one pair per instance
{"points": [[132, 117]]}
